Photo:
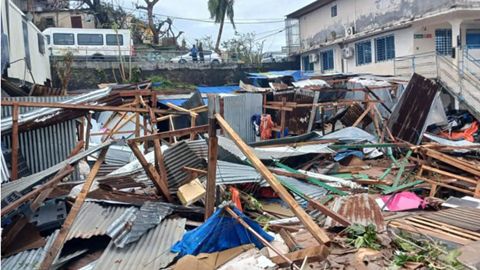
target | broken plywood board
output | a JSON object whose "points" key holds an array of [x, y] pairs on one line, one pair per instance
{"points": [[191, 192]]}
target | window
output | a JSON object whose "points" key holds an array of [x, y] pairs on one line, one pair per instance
{"points": [[443, 41], [49, 22], [90, 39], [385, 48], [41, 43], [113, 39], [307, 66], [63, 39], [364, 52], [473, 38], [333, 11], [26, 45], [327, 60]]}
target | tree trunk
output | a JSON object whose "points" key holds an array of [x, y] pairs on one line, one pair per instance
{"points": [[151, 24], [220, 31]]}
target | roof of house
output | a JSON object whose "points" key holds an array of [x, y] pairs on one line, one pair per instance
{"points": [[308, 8]]}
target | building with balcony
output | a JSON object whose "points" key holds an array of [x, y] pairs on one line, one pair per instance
{"points": [[365, 36]]}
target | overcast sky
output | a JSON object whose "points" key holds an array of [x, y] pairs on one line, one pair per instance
{"points": [[245, 11]]}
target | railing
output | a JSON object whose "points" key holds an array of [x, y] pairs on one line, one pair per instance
{"points": [[460, 79], [423, 64]]}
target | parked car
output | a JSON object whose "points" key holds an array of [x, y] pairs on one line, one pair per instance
{"points": [[209, 57], [274, 57]]}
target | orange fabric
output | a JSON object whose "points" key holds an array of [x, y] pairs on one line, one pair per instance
{"points": [[266, 125], [466, 134], [236, 198]]}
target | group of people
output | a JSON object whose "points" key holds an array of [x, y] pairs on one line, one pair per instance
{"points": [[197, 53]]}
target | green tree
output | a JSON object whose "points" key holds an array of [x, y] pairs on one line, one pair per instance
{"points": [[218, 10]]}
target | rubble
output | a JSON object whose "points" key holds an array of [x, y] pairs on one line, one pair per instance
{"points": [[358, 173]]}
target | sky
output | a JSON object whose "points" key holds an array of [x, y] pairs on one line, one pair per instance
{"points": [[246, 11]]}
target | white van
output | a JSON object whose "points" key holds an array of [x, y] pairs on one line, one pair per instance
{"points": [[94, 43]]}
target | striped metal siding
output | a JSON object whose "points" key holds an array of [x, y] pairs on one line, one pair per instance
{"points": [[239, 109], [44, 147]]}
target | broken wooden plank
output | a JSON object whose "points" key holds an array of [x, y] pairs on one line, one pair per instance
{"points": [[289, 240], [313, 227], [326, 211], [314, 254], [15, 143], [57, 244], [167, 134], [162, 186], [212, 159]]}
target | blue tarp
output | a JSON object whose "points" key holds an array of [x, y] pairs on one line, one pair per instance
{"points": [[219, 232], [227, 89]]}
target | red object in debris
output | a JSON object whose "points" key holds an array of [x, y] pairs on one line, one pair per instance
{"points": [[466, 134], [236, 198], [266, 125]]}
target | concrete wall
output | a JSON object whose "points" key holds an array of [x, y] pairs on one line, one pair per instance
{"points": [[364, 15], [89, 75], [12, 21]]}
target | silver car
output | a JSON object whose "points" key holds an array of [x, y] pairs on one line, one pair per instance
{"points": [[209, 57]]}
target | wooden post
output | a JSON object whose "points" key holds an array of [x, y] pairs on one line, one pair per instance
{"points": [[212, 158], [310, 225], [313, 112], [57, 245], [81, 130], [159, 160], [283, 119], [162, 186], [322, 114], [89, 127], [15, 143], [145, 133]]}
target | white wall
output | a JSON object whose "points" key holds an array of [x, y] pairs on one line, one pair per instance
{"points": [[64, 18], [40, 63]]}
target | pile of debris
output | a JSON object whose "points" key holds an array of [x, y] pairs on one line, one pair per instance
{"points": [[341, 172]]}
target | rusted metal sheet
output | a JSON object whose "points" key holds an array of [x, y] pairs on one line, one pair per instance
{"points": [[407, 121], [352, 114], [297, 120], [358, 209]]}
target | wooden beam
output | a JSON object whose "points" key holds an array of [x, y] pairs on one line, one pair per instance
{"points": [[57, 244], [314, 254], [160, 161], [180, 109], [89, 127], [98, 108], [212, 158], [289, 240], [167, 134], [59, 176], [283, 120], [162, 186], [195, 170], [313, 112], [258, 236], [317, 232], [15, 143], [460, 164]]}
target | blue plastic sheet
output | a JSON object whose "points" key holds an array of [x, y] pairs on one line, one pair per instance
{"points": [[219, 232]]}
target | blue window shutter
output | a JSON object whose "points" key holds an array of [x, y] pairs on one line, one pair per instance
{"points": [[380, 49], [390, 47]]}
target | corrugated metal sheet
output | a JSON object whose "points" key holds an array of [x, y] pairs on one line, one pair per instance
{"points": [[273, 153], [312, 191], [29, 259], [466, 218], [130, 228], [199, 147], [94, 219], [5, 172], [238, 110], [7, 110], [232, 173], [23, 184], [46, 113], [358, 209], [47, 146], [152, 251], [177, 157]]}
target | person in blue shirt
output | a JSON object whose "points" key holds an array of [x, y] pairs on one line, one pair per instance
{"points": [[193, 53]]}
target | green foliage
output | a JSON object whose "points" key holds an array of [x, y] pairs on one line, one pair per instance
{"points": [[135, 76], [361, 236], [245, 48], [430, 254], [219, 8]]}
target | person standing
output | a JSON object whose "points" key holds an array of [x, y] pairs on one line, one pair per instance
{"points": [[200, 52], [193, 53]]}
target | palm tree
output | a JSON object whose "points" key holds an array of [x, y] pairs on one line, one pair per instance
{"points": [[218, 10]]}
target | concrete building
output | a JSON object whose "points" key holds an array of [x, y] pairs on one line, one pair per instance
{"points": [[64, 19], [367, 35], [438, 39], [23, 46]]}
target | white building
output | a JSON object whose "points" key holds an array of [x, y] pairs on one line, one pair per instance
{"points": [[439, 39], [28, 58]]}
